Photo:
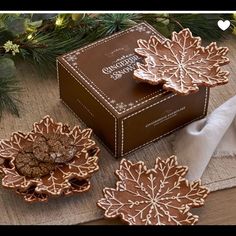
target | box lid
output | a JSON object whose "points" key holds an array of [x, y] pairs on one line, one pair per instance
{"points": [[106, 68]]}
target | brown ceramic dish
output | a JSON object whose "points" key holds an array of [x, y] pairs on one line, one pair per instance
{"points": [[158, 196], [35, 183], [181, 64]]}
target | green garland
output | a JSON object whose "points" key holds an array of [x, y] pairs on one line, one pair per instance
{"points": [[40, 38]]}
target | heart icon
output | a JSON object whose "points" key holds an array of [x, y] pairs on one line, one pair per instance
{"points": [[224, 25]]}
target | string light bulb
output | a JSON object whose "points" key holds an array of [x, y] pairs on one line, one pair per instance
{"points": [[59, 21], [30, 36]]}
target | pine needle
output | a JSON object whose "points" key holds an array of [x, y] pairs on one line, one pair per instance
{"points": [[8, 101]]}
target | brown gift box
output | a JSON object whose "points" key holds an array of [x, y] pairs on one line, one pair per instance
{"points": [[96, 83]]}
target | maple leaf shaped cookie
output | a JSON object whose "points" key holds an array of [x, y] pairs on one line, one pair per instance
{"points": [[157, 196], [181, 64]]}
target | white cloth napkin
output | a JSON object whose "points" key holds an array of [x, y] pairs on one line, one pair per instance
{"points": [[207, 138]]}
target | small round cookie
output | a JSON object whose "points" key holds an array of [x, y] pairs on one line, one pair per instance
{"points": [[41, 149], [54, 148], [27, 165]]}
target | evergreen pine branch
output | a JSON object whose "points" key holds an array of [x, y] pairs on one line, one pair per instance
{"points": [[8, 89], [112, 23], [202, 25], [43, 49], [51, 41]]}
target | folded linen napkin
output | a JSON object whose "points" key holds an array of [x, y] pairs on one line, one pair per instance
{"points": [[213, 136]]}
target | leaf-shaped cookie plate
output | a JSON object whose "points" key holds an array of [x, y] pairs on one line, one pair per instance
{"points": [[181, 64], [158, 196], [67, 178]]}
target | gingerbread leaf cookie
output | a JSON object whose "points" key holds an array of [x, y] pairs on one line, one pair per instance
{"points": [[181, 64], [157, 196], [51, 160]]}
